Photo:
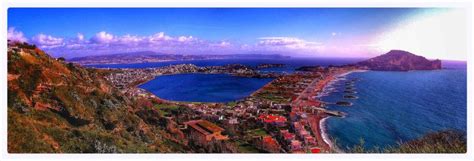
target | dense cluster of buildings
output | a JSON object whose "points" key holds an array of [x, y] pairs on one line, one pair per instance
{"points": [[284, 112]]}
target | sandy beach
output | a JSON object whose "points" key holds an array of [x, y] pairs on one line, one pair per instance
{"points": [[322, 122]]}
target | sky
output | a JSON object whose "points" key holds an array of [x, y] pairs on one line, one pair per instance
{"points": [[436, 33]]}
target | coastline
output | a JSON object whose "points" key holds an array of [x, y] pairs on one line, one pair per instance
{"points": [[319, 121], [260, 89], [324, 134], [322, 122]]}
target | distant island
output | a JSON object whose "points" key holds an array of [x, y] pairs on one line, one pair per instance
{"points": [[150, 56], [399, 60]]}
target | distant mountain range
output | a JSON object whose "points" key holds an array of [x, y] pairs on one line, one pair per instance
{"points": [[150, 56], [399, 60]]}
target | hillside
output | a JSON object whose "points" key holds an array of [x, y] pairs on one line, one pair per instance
{"points": [[444, 141], [54, 106], [399, 60]]}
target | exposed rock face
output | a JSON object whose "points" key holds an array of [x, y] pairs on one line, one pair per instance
{"points": [[399, 60]]}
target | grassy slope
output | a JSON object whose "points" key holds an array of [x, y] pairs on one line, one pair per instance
{"points": [[446, 141], [54, 107]]}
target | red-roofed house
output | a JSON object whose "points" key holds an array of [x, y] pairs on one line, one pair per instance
{"points": [[315, 150], [269, 144], [273, 119], [202, 131]]}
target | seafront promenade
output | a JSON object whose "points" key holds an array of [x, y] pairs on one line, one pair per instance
{"points": [[314, 108]]}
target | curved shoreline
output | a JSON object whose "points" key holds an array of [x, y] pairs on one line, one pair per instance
{"points": [[324, 134], [322, 122]]}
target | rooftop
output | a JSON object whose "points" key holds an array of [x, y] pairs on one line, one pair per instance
{"points": [[272, 118], [204, 126]]}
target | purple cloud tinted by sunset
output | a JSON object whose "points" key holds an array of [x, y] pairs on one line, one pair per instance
{"points": [[318, 32]]}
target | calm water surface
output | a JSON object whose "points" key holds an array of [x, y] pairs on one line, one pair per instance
{"points": [[398, 106]]}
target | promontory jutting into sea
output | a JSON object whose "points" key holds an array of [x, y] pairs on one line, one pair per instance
{"points": [[343, 81]]}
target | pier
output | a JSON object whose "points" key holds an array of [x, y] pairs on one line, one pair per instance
{"points": [[330, 112]]}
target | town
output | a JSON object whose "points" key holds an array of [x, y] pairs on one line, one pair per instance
{"points": [[283, 116]]}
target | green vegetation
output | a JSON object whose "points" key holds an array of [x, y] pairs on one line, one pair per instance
{"points": [[244, 147], [232, 104], [54, 107], [259, 132], [448, 141], [271, 97], [26, 45], [166, 109]]}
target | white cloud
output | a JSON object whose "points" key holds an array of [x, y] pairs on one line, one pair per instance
{"points": [[160, 36], [47, 41], [80, 37], [14, 35], [102, 38], [106, 43], [129, 39], [222, 44], [185, 38], [288, 42], [279, 41]]}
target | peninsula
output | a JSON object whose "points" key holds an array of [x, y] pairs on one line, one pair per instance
{"points": [[399, 60]]}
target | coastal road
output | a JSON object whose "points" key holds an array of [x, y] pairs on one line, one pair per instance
{"points": [[304, 100]]}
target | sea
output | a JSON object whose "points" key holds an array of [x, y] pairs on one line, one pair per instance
{"points": [[389, 107], [395, 107]]}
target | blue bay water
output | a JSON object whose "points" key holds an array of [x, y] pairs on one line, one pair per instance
{"points": [[204, 87], [399, 106], [392, 106]]}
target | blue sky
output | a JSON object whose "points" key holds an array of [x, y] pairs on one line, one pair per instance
{"points": [[315, 32]]}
